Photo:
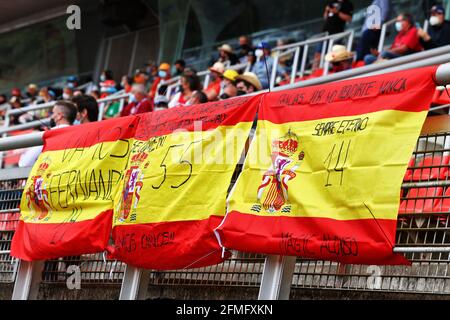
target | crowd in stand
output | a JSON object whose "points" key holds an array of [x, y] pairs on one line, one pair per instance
{"points": [[147, 88]]}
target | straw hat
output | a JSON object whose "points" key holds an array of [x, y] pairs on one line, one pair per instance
{"points": [[338, 53], [251, 78], [226, 48], [230, 74], [218, 67]]}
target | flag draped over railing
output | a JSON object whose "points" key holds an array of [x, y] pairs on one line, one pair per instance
{"points": [[321, 178]]}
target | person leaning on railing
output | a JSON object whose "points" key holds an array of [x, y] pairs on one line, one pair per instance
{"points": [[438, 32]]}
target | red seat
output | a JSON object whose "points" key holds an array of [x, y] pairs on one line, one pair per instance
{"points": [[413, 205], [358, 64], [431, 173], [9, 221], [408, 173]]}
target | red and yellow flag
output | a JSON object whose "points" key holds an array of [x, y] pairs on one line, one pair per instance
{"points": [[67, 203], [174, 190], [323, 175]]}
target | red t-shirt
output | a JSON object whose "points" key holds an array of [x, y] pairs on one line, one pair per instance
{"points": [[408, 38], [215, 85], [137, 107]]}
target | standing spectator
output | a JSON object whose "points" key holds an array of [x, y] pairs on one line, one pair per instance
{"points": [[139, 102], [406, 41], [247, 83], [63, 115], [371, 32], [189, 84], [213, 89], [226, 55], [336, 14], [87, 108], [163, 74], [438, 32], [180, 65], [264, 65]]}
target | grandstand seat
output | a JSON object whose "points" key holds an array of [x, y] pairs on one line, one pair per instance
{"points": [[424, 174], [408, 173], [443, 205], [413, 205], [9, 221]]}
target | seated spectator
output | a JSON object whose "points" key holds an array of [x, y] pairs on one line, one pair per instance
{"points": [[339, 58], [3, 99], [15, 92], [72, 82], [46, 95], [406, 41], [229, 77], [245, 47], [126, 83], [247, 83], [229, 84], [229, 91], [163, 74], [371, 32], [139, 102], [87, 108], [438, 32], [198, 97], [161, 102], [264, 64], [107, 88], [140, 77], [107, 75], [215, 80], [63, 115], [226, 55], [32, 92], [189, 84], [16, 103], [67, 93], [180, 65]]}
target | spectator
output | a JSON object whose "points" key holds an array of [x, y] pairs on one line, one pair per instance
{"points": [[189, 84], [15, 103], [161, 102], [180, 65], [67, 93], [226, 55], [15, 92], [213, 89], [107, 87], [139, 101], [46, 95], [106, 75], [87, 108], [126, 83], [32, 92], [264, 65], [3, 99], [438, 32], [63, 115], [406, 41], [163, 74], [336, 14], [339, 58], [371, 32], [140, 77], [244, 48], [229, 84], [247, 83], [229, 91], [198, 97], [72, 82]]}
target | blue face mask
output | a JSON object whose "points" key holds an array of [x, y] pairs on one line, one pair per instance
{"points": [[132, 98], [76, 122], [162, 74], [398, 26]]}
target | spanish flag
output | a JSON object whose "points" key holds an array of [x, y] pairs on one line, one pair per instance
{"points": [[323, 175], [174, 190], [67, 203]]}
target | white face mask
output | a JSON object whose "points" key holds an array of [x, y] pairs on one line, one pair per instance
{"points": [[398, 26], [259, 53], [434, 21], [66, 96]]}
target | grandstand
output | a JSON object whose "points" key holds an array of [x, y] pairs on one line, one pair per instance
{"points": [[423, 226]]}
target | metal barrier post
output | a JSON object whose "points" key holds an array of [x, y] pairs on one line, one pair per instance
{"points": [[134, 284], [326, 65], [28, 279], [295, 64], [277, 278], [383, 34], [274, 70]]}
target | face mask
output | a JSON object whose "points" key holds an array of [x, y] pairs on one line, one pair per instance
{"points": [[76, 122], [434, 21], [259, 53], [66, 96], [162, 74], [241, 92], [398, 26], [132, 98], [52, 123], [102, 78]]}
